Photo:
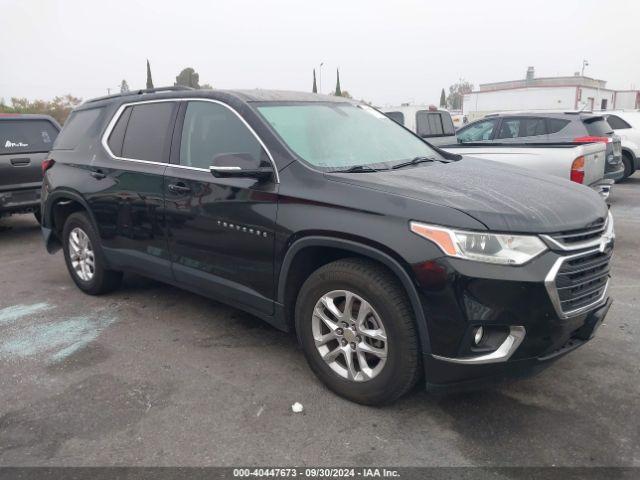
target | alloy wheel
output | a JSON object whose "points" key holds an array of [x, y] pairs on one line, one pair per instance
{"points": [[349, 335], [81, 254]]}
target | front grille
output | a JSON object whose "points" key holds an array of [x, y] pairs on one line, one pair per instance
{"points": [[581, 281], [583, 235]]}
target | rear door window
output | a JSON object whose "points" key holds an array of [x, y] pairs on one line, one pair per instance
{"points": [[26, 136], [554, 125], [116, 138], [148, 134], [397, 117], [521, 127], [477, 132], [80, 125], [617, 123]]}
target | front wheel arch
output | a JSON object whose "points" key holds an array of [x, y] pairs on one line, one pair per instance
{"points": [[358, 249]]}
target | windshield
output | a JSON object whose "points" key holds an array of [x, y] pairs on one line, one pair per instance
{"points": [[341, 135]]}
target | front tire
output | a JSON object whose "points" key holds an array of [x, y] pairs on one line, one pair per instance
{"points": [[84, 259], [357, 331]]}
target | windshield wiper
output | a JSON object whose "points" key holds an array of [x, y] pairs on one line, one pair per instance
{"points": [[358, 169], [415, 161]]}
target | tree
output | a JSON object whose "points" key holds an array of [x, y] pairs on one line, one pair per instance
{"points": [[457, 92], [314, 89], [59, 108], [443, 99], [338, 92], [206, 86], [124, 86], [149, 79], [188, 78]]}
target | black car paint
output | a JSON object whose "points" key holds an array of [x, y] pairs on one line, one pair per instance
{"points": [[201, 239]]}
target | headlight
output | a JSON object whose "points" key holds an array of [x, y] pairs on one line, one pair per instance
{"points": [[502, 249]]}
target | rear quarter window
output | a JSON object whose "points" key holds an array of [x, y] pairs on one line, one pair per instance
{"points": [[81, 125], [26, 136], [597, 127]]}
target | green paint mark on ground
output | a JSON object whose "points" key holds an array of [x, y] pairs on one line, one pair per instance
{"points": [[11, 314]]}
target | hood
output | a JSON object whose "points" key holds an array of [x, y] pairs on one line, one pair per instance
{"points": [[502, 197]]}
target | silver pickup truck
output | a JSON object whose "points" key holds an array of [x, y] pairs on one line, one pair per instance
{"points": [[581, 163]]}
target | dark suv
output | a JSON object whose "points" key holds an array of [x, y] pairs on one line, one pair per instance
{"points": [[553, 127], [390, 259], [24, 143]]}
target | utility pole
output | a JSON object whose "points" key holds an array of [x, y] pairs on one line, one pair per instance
{"points": [[585, 63]]}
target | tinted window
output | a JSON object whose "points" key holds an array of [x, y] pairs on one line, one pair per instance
{"points": [[117, 134], [396, 117], [477, 132], [554, 125], [210, 130], [23, 136], [80, 125], [617, 123], [432, 124], [148, 133], [597, 127], [521, 127]]}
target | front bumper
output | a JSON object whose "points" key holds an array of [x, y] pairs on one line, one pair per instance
{"points": [[531, 324], [20, 201], [451, 376], [616, 173]]}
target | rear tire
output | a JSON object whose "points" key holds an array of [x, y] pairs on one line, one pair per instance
{"points": [[383, 349], [628, 165], [84, 258]]}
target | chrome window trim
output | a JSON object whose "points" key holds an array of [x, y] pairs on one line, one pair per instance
{"points": [[501, 354], [552, 291], [116, 117], [607, 235]]}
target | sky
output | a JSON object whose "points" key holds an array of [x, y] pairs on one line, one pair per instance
{"points": [[388, 52]]}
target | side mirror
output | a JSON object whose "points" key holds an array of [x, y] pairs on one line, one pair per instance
{"points": [[237, 165]]}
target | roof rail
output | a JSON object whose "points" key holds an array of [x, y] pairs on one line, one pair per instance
{"points": [[175, 88]]}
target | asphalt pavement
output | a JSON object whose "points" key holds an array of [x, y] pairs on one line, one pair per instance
{"points": [[153, 375]]}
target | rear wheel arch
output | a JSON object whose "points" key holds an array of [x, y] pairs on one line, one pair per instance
{"points": [[308, 254], [60, 205], [629, 160]]}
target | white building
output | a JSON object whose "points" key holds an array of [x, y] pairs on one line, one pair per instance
{"points": [[549, 93]]}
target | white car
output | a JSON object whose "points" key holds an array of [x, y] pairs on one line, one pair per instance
{"points": [[434, 125], [626, 124]]}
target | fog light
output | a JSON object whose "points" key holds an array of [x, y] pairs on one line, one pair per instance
{"points": [[477, 336]]}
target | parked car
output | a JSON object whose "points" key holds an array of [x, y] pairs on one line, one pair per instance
{"points": [[390, 259], [582, 163], [538, 127], [626, 124], [435, 126], [24, 143]]}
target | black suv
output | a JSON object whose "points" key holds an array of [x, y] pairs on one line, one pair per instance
{"points": [[392, 260], [24, 143]]}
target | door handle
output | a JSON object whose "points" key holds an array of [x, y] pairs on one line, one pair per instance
{"points": [[20, 162], [98, 174], [179, 188]]}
